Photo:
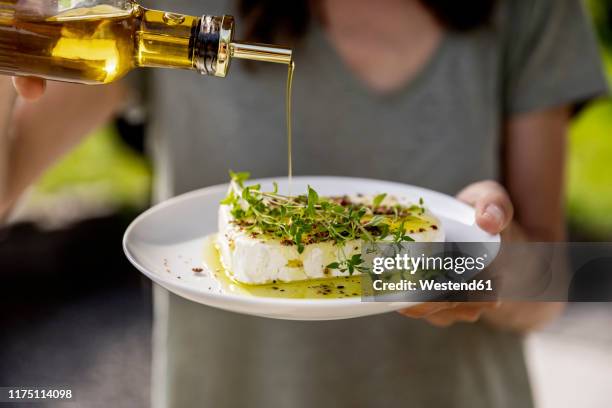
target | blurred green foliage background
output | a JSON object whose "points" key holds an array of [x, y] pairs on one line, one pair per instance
{"points": [[111, 170], [590, 163], [123, 178]]}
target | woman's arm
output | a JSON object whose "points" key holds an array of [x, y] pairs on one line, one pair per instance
{"points": [[40, 132], [535, 156], [6, 107], [534, 171], [529, 209]]}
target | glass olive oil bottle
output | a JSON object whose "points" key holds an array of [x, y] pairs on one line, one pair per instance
{"points": [[99, 41]]}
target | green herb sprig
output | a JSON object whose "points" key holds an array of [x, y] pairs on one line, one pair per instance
{"points": [[308, 218]]}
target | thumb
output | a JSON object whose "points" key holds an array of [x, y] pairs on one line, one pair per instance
{"points": [[494, 210]]}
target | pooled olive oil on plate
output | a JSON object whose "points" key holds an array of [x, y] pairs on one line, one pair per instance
{"points": [[328, 288]]}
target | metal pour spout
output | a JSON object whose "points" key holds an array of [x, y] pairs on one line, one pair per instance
{"points": [[228, 49], [261, 52]]}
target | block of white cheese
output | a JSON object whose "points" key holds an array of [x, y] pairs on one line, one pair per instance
{"points": [[256, 259]]}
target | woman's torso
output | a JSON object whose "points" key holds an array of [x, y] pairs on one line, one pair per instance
{"points": [[441, 131]]}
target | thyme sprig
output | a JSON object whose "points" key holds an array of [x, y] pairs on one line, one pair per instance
{"points": [[308, 218]]}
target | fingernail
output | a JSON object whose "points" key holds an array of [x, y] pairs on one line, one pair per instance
{"points": [[494, 212]]}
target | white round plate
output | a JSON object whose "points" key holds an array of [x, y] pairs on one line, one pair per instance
{"points": [[166, 243]]}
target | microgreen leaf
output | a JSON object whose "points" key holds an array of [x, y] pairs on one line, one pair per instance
{"points": [[229, 199], [378, 200], [313, 200], [240, 177], [376, 221]]}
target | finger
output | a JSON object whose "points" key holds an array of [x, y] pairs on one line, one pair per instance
{"points": [[430, 308], [440, 321], [494, 210], [480, 305], [475, 191], [446, 318], [469, 312], [427, 308], [30, 88]]}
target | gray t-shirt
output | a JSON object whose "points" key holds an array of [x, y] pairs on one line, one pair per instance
{"points": [[442, 131]]}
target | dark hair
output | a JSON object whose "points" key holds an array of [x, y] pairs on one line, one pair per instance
{"points": [[267, 20]]}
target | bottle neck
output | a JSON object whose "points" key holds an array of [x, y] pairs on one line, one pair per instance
{"points": [[215, 47], [211, 45]]}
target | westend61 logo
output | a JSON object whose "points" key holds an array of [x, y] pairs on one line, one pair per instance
{"points": [[423, 271], [404, 273], [514, 271], [412, 264]]}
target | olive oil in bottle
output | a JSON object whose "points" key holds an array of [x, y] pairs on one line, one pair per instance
{"points": [[99, 44]]}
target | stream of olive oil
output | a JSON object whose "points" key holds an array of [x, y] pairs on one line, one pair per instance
{"points": [[288, 103], [330, 288]]}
